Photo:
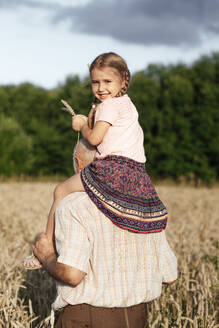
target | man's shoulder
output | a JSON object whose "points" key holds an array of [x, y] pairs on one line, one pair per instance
{"points": [[74, 198]]}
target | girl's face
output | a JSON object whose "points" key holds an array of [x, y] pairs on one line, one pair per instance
{"points": [[106, 82]]}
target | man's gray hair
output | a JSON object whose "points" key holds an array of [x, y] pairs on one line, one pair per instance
{"points": [[85, 151]]}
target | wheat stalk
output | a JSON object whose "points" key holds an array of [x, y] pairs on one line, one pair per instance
{"points": [[67, 108]]}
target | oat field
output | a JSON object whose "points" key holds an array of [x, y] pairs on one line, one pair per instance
{"points": [[192, 232]]}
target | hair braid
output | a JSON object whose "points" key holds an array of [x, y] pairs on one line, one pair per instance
{"points": [[123, 91], [91, 115]]}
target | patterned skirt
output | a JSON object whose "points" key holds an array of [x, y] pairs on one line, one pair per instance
{"points": [[122, 190]]}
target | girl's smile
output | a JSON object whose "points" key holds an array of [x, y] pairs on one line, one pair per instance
{"points": [[106, 83]]}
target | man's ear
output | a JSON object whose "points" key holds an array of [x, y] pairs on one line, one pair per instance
{"points": [[80, 163]]}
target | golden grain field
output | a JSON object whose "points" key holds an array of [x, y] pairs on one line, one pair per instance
{"points": [[192, 232]]}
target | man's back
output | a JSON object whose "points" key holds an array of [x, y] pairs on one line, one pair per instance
{"points": [[123, 268]]}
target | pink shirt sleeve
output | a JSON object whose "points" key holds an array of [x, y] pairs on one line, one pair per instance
{"points": [[107, 111]]}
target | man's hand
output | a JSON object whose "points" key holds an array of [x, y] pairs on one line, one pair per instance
{"points": [[44, 249]]}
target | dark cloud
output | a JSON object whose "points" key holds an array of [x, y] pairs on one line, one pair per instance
{"points": [[146, 22]]}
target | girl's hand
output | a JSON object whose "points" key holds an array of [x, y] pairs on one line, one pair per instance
{"points": [[78, 121]]}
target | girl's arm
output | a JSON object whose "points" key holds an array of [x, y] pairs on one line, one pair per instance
{"points": [[95, 136]]}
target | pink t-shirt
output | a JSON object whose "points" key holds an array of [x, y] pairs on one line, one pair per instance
{"points": [[125, 136]]}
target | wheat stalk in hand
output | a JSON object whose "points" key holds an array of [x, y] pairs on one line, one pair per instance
{"points": [[78, 120]]}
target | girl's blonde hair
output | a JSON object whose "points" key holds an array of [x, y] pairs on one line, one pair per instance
{"points": [[109, 59]]}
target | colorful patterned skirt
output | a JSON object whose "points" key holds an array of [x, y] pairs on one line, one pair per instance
{"points": [[122, 190]]}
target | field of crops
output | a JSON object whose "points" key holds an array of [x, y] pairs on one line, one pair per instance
{"points": [[192, 232]]}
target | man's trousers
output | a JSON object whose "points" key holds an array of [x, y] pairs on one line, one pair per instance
{"points": [[87, 316]]}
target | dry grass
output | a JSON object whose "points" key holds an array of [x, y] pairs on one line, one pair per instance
{"points": [[25, 297]]}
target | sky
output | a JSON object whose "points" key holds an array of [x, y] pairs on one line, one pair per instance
{"points": [[44, 41]]}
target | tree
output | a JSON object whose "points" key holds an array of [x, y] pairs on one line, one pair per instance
{"points": [[15, 148]]}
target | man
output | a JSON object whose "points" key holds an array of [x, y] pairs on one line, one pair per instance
{"points": [[105, 275]]}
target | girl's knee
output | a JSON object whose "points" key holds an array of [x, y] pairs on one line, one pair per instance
{"points": [[58, 191], [65, 188]]}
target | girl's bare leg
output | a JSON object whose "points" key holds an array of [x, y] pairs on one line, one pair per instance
{"points": [[63, 189], [69, 186]]}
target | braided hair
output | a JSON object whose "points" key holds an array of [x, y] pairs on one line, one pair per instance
{"points": [[110, 59]]}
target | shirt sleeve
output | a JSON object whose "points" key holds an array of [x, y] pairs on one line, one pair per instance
{"points": [[71, 237], [107, 111], [168, 261]]}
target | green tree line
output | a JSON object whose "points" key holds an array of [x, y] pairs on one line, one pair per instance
{"points": [[178, 109]]}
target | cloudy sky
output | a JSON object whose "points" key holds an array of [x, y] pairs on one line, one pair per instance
{"points": [[44, 41]]}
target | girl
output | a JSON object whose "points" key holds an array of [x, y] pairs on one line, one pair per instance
{"points": [[116, 181]]}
